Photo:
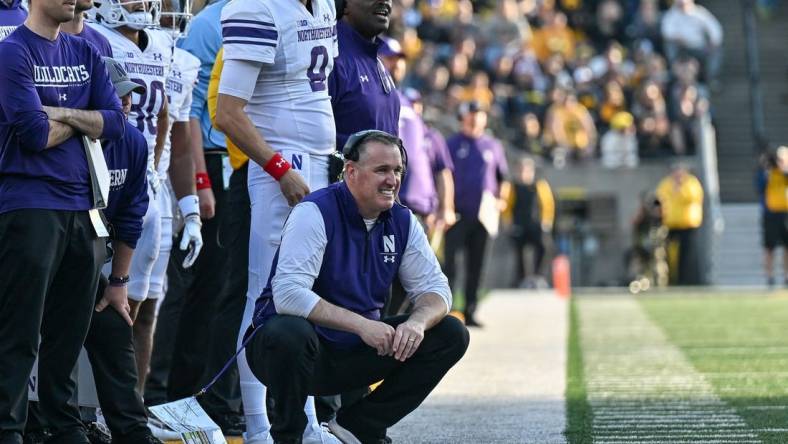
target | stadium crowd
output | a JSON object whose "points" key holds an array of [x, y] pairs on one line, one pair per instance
{"points": [[240, 113], [568, 79]]}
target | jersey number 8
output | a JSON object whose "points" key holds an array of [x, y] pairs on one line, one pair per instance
{"points": [[317, 79]]}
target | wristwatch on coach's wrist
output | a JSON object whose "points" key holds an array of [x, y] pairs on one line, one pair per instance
{"points": [[118, 281]]}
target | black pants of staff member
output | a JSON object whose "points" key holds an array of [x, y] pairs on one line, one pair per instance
{"points": [[224, 398], [111, 352], [49, 269], [189, 308], [689, 272], [290, 358], [467, 234], [523, 236]]}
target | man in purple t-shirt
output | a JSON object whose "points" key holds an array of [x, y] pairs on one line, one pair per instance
{"points": [[54, 89], [12, 14], [481, 187]]}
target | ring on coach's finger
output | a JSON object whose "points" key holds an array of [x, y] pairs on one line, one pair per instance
{"points": [[411, 339]]}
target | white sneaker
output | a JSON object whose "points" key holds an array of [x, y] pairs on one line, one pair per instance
{"points": [[259, 438], [341, 434], [161, 431], [320, 435]]}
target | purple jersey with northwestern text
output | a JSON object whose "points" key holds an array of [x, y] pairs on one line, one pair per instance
{"points": [[362, 92], [479, 165], [11, 16], [66, 72], [127, 161]]}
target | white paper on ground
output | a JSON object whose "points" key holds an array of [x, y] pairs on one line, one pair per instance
{"points": [[186, 417]]}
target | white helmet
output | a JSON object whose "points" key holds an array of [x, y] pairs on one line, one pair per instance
{"points": [[176, 18], [113, 14]]}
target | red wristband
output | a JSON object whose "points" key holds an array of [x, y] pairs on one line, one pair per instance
{"points": [[277, 166], [202, 180]]}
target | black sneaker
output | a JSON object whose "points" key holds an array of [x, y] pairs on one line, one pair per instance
{"points": [[36, 437], [98, 433], [138, 438], [231, 425], [470, 321], [150, 439]]}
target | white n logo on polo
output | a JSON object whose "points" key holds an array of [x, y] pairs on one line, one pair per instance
{"points": [[388, 244]]}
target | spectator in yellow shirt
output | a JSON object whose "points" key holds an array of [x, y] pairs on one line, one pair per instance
{"points": [[554, 37], [530, 212], [772, 184], [681, 197]]}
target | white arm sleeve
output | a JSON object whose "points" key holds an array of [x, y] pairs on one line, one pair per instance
{"points": [[300, 258], [713, 27], [419, 271], [239, 78]]}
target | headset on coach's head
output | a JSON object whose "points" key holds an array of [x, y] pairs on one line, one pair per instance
{"points": [[350, 152]]}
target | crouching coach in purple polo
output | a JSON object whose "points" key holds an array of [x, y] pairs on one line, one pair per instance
{"points": [[318, 327]]}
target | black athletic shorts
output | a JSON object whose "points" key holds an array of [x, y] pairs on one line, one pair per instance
{"points": [[775, 232]]}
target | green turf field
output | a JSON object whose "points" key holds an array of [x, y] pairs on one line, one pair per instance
{"points": [[679, 368]]}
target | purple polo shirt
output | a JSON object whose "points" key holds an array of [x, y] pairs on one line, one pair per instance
{"points": [[11, 16], [418, 187], [479, 165], [99, 41], [358, 87]]}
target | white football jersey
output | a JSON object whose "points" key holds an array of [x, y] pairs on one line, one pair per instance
{"points": [[290, 104], [180, 84], [150, 68]]}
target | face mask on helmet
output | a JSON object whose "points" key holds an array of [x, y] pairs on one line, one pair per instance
{"points": [[175, 19], [115, 13]]}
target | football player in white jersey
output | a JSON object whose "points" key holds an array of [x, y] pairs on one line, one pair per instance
{"points": [[273, 103], [175, 168]]}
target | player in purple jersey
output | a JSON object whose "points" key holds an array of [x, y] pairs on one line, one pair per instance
{"points": [[55, 89]]}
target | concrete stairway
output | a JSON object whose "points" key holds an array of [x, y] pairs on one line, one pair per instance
{"points": [[737, 254], [731, 105]]}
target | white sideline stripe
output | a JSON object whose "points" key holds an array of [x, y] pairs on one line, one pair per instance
{"points": [[660, 426], [774, 430], [766, 407], [624, 421], [642, 388]]}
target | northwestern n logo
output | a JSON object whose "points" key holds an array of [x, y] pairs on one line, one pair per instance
{"points": [[388, 244]]}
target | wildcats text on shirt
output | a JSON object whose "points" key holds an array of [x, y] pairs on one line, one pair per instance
{"points": [[60, 75]]}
